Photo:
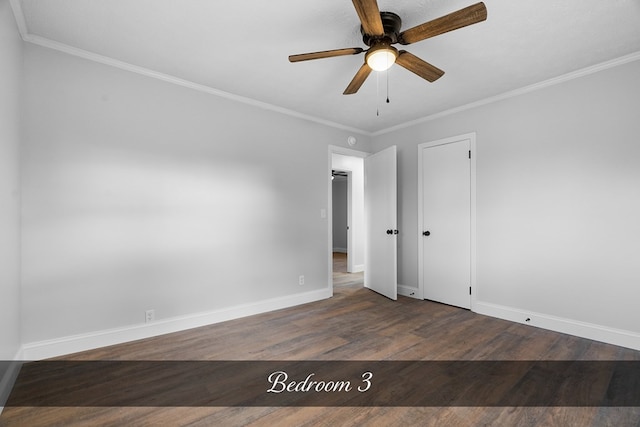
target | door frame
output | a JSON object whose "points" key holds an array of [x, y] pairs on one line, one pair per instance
{"points": [[334, 149], [471, 137]]}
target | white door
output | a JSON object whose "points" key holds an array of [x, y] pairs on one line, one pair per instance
{"points": [[380, 191], [445, 265]]}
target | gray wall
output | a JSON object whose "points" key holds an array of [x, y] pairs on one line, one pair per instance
{"points": [[339, 206], [558, 198], [139, 194], [10, 108]]}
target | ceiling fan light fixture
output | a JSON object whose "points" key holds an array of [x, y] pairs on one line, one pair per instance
{"points": [[381, 57], [380, 30]]}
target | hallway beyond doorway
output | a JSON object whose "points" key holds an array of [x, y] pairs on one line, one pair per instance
{"points": [[341, 277]]}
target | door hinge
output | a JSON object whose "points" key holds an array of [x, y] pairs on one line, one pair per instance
{"points": [[469, 290], [469, 153]]}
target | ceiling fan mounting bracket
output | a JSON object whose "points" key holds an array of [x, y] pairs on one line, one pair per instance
{"points": [[391, 24]]}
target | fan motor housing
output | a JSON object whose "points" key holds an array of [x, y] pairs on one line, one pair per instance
{"points": [[391, 24]]}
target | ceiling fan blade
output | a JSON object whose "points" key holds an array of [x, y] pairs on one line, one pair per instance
{"points": [[418, 66], [369, 15], [358, 79], [463, 17], [325, 54]]}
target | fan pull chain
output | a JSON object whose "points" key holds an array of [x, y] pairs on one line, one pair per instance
{"points": [[378, 94], [387, 73]]}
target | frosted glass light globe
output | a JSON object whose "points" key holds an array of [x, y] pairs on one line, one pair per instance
{"points": [[382, 58]]}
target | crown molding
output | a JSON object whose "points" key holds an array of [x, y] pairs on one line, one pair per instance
{"points": [[517, 92], [48, 43], [16, 5]]}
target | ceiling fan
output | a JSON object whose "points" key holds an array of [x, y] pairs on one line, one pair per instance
{"points": [[380, 30]]}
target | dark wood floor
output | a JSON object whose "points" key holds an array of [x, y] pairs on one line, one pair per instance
{"points": [[356, 324]]}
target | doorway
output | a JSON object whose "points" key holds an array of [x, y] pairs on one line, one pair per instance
{"points": [[346, 234], [340, 182], [372, 217], [343, 265]]}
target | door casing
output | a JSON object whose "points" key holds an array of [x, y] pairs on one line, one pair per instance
{"points": [[471, 137]]}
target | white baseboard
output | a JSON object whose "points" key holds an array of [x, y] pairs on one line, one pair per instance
{"points": [[409, 291], [358, 268], [73, 344], [8, 378], [591, 331], [340, 250]]}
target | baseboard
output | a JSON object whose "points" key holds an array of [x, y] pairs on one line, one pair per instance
{"points": [[409, 291], [591, 331], [8, 375], [73, 344], [340, 250], [358, 268]]}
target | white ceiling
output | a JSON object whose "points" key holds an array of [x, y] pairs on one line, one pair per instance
{"points": [[241, 47]]}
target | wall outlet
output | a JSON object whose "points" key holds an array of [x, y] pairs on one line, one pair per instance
{"points": [[301, 280], [149, 316]]}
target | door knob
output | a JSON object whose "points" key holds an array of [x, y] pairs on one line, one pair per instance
{"points": [[392, 231], [426, 233]]}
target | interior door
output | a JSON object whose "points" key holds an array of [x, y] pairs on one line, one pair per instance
{"points": [[446, 222], [380, 194]]}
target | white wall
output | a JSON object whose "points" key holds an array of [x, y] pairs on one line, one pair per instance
{"points": [[10, 108], [356, 166], [558, 201], [139, 194], [128, 205], [11, 84], [340, 210]]}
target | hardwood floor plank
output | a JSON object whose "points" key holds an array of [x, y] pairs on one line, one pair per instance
{"points": [[340, 275], [356, 324]]}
